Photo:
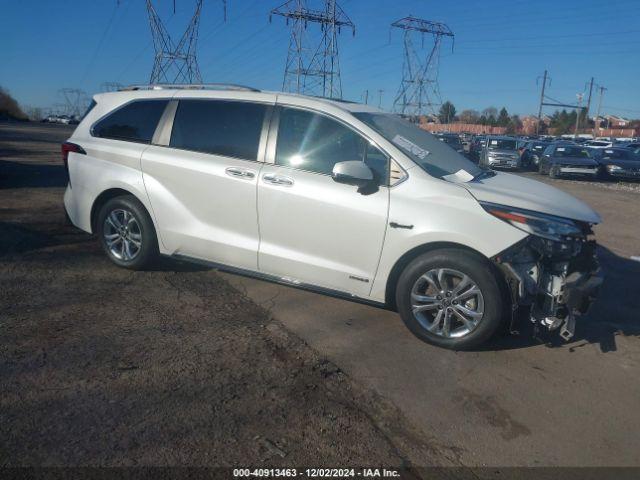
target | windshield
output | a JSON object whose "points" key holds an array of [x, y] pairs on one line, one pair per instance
{"points": [[571, 151], [502, 144], [436, 158], [619, 154], [453, 141]]}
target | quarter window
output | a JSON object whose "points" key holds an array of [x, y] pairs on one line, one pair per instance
{"points": [[230, 129], [135, 122], [313, 142]]}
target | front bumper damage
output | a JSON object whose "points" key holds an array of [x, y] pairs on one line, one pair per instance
{"points": [[553, 282]]}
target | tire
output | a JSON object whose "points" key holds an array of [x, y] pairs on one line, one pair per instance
{"points": [[553, 172], [126, 216], [541, 168], [412, 289]]}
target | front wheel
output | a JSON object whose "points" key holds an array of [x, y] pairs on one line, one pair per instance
{"points": [[450, 298], [126, 233]]}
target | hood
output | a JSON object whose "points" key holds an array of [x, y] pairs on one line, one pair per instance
{"points": [[520, 192], [574, 161]]}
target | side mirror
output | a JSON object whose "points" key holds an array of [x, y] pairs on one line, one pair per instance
{"points": [[353, 172]]}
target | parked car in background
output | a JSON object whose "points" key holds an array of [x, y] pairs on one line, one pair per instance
{"points": [[475, 147], [332, 196], [630, 145], [598, 144], [452, 140], [500, 152], [563, 159], [619, 163], [531, 154]]}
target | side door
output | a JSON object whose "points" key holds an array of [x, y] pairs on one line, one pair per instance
{"points": [[314, 230], [201, 179]]}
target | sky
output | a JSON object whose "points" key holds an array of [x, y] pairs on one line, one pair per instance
{"points": [[501, 48]]}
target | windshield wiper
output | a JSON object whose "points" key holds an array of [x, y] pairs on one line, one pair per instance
{"points": [[485, 173]]}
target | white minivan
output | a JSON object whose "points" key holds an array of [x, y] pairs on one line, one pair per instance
{"points": [[332, 196]]}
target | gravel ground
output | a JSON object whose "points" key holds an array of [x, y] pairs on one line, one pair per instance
{"points": [[103, 366]]}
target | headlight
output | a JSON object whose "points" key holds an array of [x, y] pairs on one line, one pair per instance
{"points": [[539, 224], [613, 168]]}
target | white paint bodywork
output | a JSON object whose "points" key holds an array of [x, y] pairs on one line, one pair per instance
{"points": [[315, 231]]}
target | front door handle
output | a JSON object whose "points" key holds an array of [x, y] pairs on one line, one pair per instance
{"points": [[277, 180], [239, 172]]}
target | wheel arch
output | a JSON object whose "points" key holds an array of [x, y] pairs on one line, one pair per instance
{"points": [[406, 258], [103, 198]]}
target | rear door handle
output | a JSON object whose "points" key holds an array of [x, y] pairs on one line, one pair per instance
{"points": [[239, 172], [277, 180]]}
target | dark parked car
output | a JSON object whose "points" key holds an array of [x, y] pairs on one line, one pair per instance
{"points": [[568, 159], [452, 140], [531, 154], [619, 162]]}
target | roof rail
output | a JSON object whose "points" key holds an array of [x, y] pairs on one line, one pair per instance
{"points": [[190, 86]]}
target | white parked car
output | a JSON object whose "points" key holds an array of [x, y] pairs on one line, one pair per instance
{"points": [[332, 196], [598, 144]]}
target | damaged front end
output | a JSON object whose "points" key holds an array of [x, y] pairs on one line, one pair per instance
{"points": [[553, 274]]}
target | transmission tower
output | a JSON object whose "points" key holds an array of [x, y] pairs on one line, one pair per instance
{"points": [[75, 102], [313, 71], [175, 63], [419, 92], [111, 86]]}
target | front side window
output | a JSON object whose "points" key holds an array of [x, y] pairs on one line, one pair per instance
{"points": [[313, 142], [227, 128], [135, 122]]}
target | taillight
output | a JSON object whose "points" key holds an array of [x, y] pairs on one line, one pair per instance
{"points": [[70, 147]]}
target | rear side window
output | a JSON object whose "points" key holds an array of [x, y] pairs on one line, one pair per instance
{"points": [[135, 122], [230, 129]]}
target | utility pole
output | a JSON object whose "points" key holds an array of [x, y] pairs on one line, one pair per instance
{"points": [[366, 97], [419, 90], [578, 112], [596, 126], [544, 86], [380, 92], [589, 98], [314, 71]]}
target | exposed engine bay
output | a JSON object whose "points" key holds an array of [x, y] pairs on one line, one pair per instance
{"points": [[555, 281]]}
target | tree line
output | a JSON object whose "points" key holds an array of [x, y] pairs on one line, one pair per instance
{"points": [[489, 116]]}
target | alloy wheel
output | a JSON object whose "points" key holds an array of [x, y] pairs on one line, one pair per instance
{"points": [[447, 303], [122, 234]]}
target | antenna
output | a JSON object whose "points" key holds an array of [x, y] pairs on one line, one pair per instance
{"points": [[419, 92]]}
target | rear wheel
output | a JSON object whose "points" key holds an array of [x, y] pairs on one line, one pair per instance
{"points": [[554, 172], [126, 233], [450, 298]]}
